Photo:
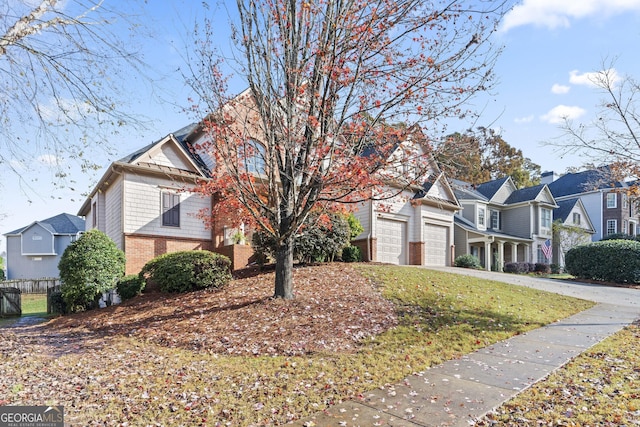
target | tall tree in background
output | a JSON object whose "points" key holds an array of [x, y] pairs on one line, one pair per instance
{"points": [[481, 156], [613, 137], [61, 69], [324, 77]]}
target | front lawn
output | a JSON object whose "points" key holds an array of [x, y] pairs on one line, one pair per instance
{"points": [[239, 358]]}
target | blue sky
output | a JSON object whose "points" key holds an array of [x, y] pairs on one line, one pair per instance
{"points": [[550, 46]]}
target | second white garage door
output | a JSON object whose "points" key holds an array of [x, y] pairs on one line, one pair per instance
{"points": [[391, 238], [436, 244]]}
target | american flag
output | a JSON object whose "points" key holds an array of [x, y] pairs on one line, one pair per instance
{"points": [[546, 248]]}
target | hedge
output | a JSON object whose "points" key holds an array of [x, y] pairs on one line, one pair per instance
{"points": [[186, 271], [467, 261], [607, 260]]}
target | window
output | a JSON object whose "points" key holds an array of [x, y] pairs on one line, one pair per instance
{"points": [[611, 200], [495, 219], [612, 226], [576, 218], [254, 153], [481, 216], [171, 210], [94, 214], [545, 218], [625, 202], [624, 226]]}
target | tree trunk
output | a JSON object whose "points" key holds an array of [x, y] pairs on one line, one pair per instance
{"points": [[284, 270]]}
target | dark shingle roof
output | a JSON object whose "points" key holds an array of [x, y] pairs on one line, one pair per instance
{"points": [[524, 194], [582, 182], [564, 209], [60, 224], [489, 189], [465, 191]]}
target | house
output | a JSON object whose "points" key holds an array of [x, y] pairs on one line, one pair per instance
{"points": [[144, 205], [605, 200], [573, 227], [34, 251], [500, 223], [413, 226]]}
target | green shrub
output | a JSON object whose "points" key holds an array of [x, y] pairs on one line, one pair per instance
{"points": [[516, 267], [542, 268], [351, 254], [467, 261], [130, 286], [187, 271], [556, 269], [88, 267], [56, 303], [355, 227], [607, 260]]}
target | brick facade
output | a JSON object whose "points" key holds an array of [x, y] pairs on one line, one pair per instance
{"points": [[140, 249], [416, 253]]}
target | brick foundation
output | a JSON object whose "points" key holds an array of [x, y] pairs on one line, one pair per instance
{"points": [[140, 249]]}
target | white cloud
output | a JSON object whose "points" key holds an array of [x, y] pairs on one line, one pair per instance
{"points": [[594, 79], [559, 13], [49, 160], [527, 119], [560, 113], [560, 89]]}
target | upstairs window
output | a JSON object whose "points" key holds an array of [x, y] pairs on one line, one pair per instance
{"points": [[481, 217], [495, 220], [576, 218], [254, 157], [170, 210], [545, 218], [611, 200]]}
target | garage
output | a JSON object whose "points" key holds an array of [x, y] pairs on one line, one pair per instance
{"points": [[436, 246], [391, 238]]}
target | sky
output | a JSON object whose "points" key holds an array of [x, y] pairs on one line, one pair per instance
{"points": [[549, 49]]}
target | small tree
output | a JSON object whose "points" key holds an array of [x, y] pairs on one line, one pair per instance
{"points": [[89, 266]]}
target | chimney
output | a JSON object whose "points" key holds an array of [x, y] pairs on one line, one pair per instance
{"points": [[548, 177]]}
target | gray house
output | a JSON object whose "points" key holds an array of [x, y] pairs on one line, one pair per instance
{"points": [[33, 252]]}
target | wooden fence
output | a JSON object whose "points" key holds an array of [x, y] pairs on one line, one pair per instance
{"points": [[10, 302], [31, 286]]}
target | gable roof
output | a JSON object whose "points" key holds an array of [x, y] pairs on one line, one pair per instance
{"points": [[466, 191], [524, 194], [566, 206], [489, 189], [60, 224], [583, 182]]}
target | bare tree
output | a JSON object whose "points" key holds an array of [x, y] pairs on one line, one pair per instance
{"points": [[326, 78], [613, 137], [62, 64]]}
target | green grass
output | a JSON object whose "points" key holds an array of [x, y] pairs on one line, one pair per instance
{"points": [[441, 316], [599, 387], [34, 304]]}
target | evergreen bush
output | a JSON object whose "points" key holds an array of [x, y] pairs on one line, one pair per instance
{"points": [[186, 271], [516, 267], [89, 267], [130, 286], [351, 254], [607, 260], [467, 261]]}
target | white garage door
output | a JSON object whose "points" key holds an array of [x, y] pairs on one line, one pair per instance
{"points": [[436, 244], [391, 241]]}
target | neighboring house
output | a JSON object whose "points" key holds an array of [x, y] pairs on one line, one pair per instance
{"points": [[34, 251], [142, 202], [415, 226], [606, 201], [572, 227], [500, 223]]}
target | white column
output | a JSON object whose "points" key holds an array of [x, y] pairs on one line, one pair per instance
{"points": [[487, 256], [514, 252]]}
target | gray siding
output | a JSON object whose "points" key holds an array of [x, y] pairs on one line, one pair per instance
{"points": [[517, 221], [32, 266], [37, 240]]}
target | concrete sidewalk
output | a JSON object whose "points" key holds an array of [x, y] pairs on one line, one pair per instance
{"points": [[458, 392]]}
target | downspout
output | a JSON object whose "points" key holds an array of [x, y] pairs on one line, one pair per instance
{"points": [[370, 227]]}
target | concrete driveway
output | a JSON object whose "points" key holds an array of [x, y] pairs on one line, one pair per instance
{"points": [[602, 294]]}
